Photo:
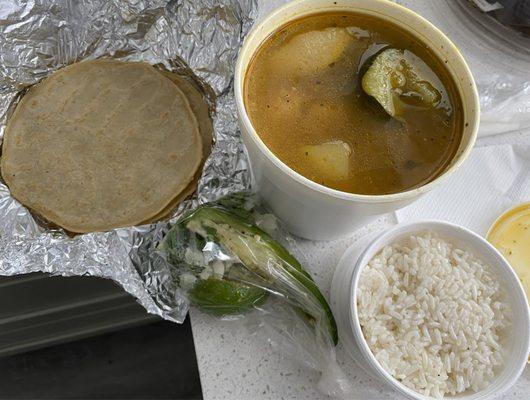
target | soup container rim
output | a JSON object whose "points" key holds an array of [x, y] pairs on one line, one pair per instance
{"points": [[482, 249], [347, 6]]}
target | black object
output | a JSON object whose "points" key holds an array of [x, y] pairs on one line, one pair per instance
{"points": [[155, 361], [38, 310], [514, 13]]}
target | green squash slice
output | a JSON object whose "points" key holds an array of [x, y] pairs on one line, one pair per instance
{"points": [[395, 81]]}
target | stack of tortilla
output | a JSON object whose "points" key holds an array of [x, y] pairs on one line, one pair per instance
{"points": [[106, 144]]}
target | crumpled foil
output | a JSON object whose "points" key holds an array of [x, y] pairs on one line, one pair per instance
{"points": [[199, 37]]}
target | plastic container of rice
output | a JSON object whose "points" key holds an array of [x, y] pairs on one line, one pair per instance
{"points": [[433, 310]]}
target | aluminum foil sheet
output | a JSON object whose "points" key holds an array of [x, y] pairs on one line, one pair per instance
{"points": [[192, 37]]}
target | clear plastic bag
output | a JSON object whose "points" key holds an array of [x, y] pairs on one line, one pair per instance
{"points": [[499, 58], [225, 260]]}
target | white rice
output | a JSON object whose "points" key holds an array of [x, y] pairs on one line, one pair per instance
{"points": [[432, 315]]}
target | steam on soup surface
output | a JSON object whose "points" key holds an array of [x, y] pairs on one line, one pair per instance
{"points": [[304, 96]]}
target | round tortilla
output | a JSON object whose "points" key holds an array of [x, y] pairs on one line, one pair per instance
{"points": [[202, 113], [199, 107], [101, 144]]}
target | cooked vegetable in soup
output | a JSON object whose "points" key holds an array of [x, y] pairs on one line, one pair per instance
{"points": [[354, 103]]}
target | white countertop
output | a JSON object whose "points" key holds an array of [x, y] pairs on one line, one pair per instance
{"points": [[237, 365]]}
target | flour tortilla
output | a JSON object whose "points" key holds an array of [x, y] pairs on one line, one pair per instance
{"points": [[100, 145]]}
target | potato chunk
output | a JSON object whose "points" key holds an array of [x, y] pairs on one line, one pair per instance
{"points": [[331, 159], [309, 52]]}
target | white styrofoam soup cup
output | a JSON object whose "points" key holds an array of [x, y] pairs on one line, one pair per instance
{"points": [[516, 342], [309, 209]]}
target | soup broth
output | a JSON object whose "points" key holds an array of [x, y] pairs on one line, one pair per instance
{"points": [[304, 97]]}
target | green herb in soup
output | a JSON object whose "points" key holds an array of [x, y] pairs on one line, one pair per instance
{"points": [[354, 103]]}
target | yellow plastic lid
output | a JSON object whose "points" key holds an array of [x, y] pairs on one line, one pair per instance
{"points": [[510, 234]]}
